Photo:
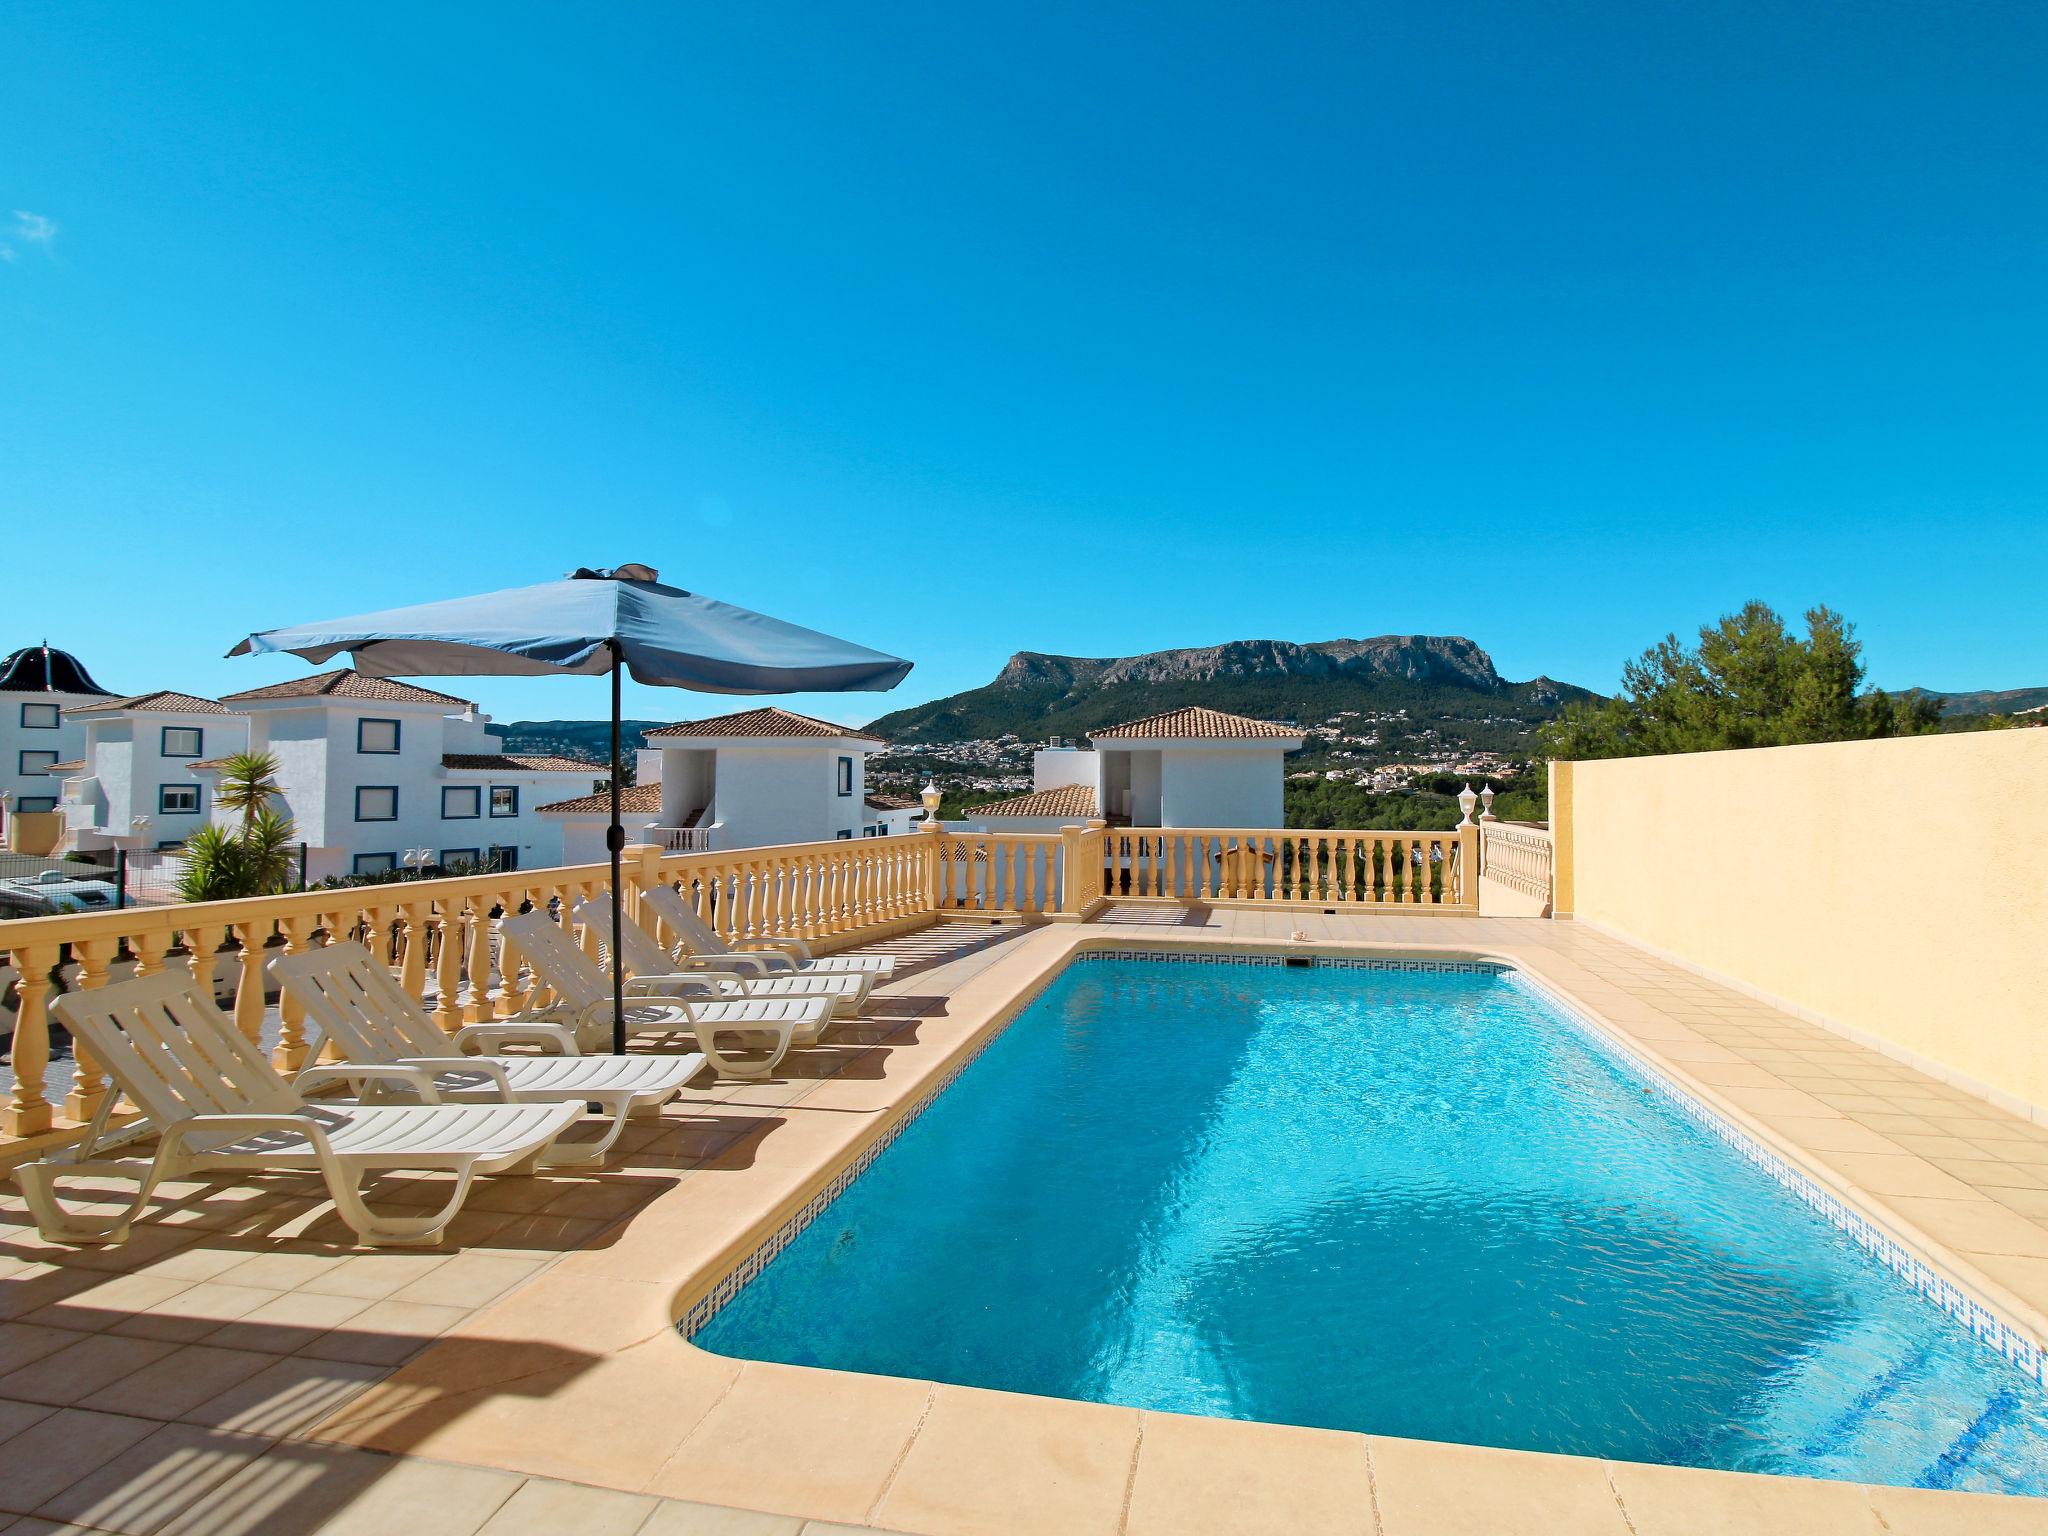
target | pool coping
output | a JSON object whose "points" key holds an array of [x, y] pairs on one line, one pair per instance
{"points": [[984, 1006]]}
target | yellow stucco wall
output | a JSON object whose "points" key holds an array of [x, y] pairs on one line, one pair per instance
{"points": [[1897, 889]]}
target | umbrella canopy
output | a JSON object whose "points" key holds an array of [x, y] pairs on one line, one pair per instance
{"points": [[591, 622], [667, 637]]}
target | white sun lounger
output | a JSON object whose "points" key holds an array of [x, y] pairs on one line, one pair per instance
{"points": [[676, 1004], [369, 1017], [766, 957], [218, 1108], [647, 961]]}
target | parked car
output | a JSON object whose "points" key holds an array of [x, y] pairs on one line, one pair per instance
{"points": [[54, 890]]}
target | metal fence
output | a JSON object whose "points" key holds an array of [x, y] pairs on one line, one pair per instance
{"points": [[31, 886]]}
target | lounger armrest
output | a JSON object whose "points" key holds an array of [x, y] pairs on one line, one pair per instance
{"points": [[433, 1066], [723, 965], [245, 1124], [774, 951], [420, 1080], [677, 984], [516, 1031], [600, 1012]]}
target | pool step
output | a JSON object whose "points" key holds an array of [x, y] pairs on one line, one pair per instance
{"points": [[1949, 1465]]}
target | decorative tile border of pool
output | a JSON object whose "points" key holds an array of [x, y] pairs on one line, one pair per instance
{"points": [[2020, 1350]]}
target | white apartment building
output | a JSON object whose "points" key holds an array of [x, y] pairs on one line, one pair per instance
{"points": [[134, 786], [1189, 767], [745, 780], [369, 769], [39, 690]]}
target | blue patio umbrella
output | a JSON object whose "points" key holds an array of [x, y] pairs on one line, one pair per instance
{"points": [[595, 621]]}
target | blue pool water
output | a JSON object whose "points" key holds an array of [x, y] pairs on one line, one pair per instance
{"points": [[1417, 1204]]}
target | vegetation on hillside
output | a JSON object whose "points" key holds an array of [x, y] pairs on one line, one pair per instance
{"points": [[1750, 682]]}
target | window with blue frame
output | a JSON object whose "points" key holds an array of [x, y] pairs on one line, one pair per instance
{"points": [[177, 799], [40, 717], [377, 737], [374, 863], [35, 762], [845, 775], [504, 800], [460, 858], [461, 802], [183, 741], [31, 805], [376, 802]]}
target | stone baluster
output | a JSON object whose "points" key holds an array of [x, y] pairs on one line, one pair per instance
{"points": [[249, 980], [447, 962], [89, 1085], [28, 1111], [478, 1009], [290, 1054]]}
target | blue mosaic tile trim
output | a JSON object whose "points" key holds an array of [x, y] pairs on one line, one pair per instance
{"points": [[1296, 962], [2018, 1348]]}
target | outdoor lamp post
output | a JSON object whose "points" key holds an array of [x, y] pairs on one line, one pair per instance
{"points": [[1466, 800], [931, 795], [417, 860], [1486, 801]]}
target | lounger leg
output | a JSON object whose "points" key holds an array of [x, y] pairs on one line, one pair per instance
{"points": [[345, 1185], [38, 1183], [707, 1042], [561, 1153]]}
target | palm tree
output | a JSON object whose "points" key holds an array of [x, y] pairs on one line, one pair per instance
{"points": [[248, 783]]}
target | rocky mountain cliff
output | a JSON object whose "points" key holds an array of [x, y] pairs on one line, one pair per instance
{"points": [[1428, 675]]}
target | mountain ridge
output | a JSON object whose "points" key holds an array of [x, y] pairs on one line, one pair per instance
{"points": [[1041, 693]]}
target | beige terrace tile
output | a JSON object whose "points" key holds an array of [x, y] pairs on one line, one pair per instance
{"points": [[677, 1517], [179, 1382], [374, 1276], [21, 1343], [82, 1368], [1002, 1464], [853, 1429], [1425, 1488], [544, 1508], [288, 1322], [1975, 1226], [385, 1333], [141, 1490], [1898, 1174], [467, 1280], [1921, 1512], [107, 1300], [55, 1452], [285, 1398], [1684, 1501], [1220, 1477], [1831, 1135], [194, 1312]]}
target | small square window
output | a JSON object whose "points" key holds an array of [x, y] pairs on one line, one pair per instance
{"points": [[461, 802], [40, 717], [36, 762], [183, 741], [504, 800], [845, 775], [844, 834], [30, 805], [170, 845], [378, 736], [457, 859], [177, 800], [377, 802], [375, 863]]}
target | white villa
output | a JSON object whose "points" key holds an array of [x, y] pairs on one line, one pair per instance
{"points": [[370, 769], [745, 780], [40, 688], [1190, 767]]}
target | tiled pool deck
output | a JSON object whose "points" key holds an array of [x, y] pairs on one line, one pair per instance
{"points": [[235, 1368]]}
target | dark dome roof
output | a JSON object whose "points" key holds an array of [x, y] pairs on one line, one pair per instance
{"points": [[38, 669]]}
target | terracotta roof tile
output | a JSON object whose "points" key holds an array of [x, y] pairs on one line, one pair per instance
{"points": [[1194, 722], [1065, 800], [55, 768], [518, 762], [893, 802], [769, 721], [347, 684], [162, 702], [634, 800]]}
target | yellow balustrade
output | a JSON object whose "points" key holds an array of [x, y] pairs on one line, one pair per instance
{"points": [[442, 938]]}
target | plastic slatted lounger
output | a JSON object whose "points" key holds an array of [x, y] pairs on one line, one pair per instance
{"points": [[219, 1109], [370, 1018], [766, 956], [647, 961], [690, 1004]]}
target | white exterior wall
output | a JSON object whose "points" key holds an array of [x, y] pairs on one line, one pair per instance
{"points": [[67, 741], [1220, 787], [1057, 767], [770, 795], [124, 756]]}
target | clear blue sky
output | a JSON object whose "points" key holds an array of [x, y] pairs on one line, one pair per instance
{"points": [[959, 330]]}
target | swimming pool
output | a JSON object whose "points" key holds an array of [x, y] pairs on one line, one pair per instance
{"points": [[1414, 1202]]}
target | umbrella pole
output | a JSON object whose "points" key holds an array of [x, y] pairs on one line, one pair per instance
{"points": [[615, 840]]}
